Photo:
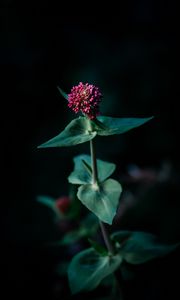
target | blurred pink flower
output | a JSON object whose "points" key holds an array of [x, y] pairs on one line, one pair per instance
{"points": [[63, 204]]}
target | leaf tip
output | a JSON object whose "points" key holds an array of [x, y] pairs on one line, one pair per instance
{"points": [[42, 146], [39, 147], [109, 222], [62, 93], [152, 117]]}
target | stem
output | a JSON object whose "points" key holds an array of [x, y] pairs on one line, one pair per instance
{"points": [[95, 180], [106, 237], [104, 231], [110, 247], [93, 162]]}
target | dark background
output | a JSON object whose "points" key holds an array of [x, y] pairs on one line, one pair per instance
{"points": [[131, 54]]}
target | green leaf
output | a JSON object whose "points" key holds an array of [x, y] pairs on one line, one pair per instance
{"points": [[73, 236], [50, 203], [77, 131], [62, 93], [82, 170], [102, 199], [109, 126], [47, 201], [99, 248], [139, 247], [88, 268]]}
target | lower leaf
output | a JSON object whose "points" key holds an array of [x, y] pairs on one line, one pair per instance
{"points": [[88, 268]]}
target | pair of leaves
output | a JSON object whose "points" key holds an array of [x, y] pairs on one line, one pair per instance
{"points": [[82, 173], [82, 130], [139, 247], [88, 268], [133, 247], [102, 198]]}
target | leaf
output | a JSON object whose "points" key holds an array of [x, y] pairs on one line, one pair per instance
{"points": [[109, 126], [139, 247], [73, 236], [102, 199], [50, 203], [82, 170], [62, 93], [47, 201], [87, 166], [77, 131], [88, 268]]}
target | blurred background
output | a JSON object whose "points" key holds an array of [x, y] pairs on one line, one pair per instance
{"points": [[131, 54]]}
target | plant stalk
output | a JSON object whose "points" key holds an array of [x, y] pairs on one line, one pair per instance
{"points": [[95, 180], [106, 238], [104, 231], [93, 162]]}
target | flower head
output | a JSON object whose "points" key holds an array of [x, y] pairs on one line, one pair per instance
{"points": [[63, 204], [85, 98]]}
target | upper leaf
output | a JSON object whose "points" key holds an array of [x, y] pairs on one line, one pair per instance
{"points": [[102, 199], [76, 132], [82, 173], [82, 129], [88, 268], [139, 247], [62, 93], [109, 126]]}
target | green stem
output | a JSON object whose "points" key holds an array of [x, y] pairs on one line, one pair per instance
{"points": [[106, 238], [93, 162], [95, 180], [104, 231]]}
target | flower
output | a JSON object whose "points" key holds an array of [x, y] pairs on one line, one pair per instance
{"points": [[85, 98]]}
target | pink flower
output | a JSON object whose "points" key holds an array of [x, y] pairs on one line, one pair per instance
{"points": [[85, 98], [63, 204]]}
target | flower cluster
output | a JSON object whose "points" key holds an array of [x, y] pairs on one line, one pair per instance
{"points": [[85, 98]]}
